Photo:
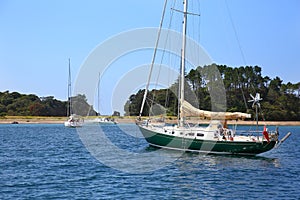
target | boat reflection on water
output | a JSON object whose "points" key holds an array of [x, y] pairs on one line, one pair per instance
{"points": [[215, 161]]}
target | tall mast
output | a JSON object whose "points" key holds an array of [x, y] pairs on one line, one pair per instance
{"points": [[69, 112], [99, 94], [181, 118]]}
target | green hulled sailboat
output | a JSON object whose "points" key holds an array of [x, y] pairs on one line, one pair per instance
{"points": [[216, 137]]}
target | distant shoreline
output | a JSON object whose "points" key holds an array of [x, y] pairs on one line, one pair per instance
{"points": [[128, 120]]}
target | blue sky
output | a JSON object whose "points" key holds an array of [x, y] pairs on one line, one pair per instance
{"points": [[38, 37]]}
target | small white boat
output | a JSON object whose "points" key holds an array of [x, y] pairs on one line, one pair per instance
{"points": [[104, 120], [74, 121]]}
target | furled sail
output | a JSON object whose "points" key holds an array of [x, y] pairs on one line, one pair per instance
{"points": [[190, 110]]}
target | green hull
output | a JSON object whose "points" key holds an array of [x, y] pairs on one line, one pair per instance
{"points": [[207, 146]]}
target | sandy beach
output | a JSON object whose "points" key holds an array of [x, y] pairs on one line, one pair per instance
{"points": [[127, 120]]}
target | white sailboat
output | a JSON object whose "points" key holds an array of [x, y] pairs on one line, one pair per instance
{"points": [[102, 120], [216, 137], [73, 119]]}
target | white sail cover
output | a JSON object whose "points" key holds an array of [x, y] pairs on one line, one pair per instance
{"points": [[190, 110]]}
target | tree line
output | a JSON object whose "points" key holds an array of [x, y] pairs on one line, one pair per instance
{"points": [[16, 104], [281, 101]]}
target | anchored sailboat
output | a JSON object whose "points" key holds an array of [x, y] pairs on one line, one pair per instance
{"points": [[216, 137], [102, 120], [73, 120]]}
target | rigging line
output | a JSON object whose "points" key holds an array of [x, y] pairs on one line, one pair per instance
{"points": [[235, 32], [149, 103], [169, 28], [163, 55], [167, 98], [195, 30], [240, 47], [244, 98], [153, 58]]}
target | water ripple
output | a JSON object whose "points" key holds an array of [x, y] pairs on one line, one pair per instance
{"points": [[50, 162]]}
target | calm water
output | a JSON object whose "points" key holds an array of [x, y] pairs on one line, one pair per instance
{"points": [[51, 162]]}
